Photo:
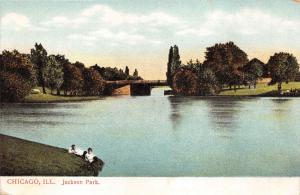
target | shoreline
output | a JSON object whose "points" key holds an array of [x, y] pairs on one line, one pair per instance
{"points": [[102, 98], [20, 157], [59, 99]]}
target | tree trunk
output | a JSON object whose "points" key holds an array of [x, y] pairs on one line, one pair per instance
{"points": [[51, 91], [57, 91], [43, 85], [279, 87], [234, 87]]}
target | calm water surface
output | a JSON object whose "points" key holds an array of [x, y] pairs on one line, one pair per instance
{"points": [[170, 136]]}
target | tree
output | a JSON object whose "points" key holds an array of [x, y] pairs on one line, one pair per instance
{"points": [[93, 82], [80, 66], [174, 64], [73, 79], [113, 74], [283, 67], [100, 70], [185, 82], [39, 59], [236, 78], [53, 73], [208, 83], [62, 61], [224, 60], [253, 70], [195, 79], [196, 66], [135, 73], [169, 67], [135, 76], [127, 71], [17, 76]]}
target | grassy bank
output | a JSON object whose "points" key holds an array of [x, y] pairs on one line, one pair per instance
{"points": [[51, 98], [22, 157], [48, 98], [260, 90]]}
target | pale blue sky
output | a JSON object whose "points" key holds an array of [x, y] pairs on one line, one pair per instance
{"points": [[139, 33]]}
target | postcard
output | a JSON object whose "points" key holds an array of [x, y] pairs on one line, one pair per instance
{"points": [[150, 97]]}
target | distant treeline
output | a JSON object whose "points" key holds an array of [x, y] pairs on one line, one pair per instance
{"points": [[20, 73], [226, 65]]}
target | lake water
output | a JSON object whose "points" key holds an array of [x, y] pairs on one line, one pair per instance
{"points": [[161, 135]]}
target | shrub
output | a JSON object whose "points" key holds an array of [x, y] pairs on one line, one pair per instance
{"points": [[185, 82]]}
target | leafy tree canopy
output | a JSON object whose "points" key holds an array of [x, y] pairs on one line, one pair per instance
{"points": [[283, 67], [17, 76]]}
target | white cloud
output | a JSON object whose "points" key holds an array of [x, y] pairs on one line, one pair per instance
{"points": [[110, 16], [58, 21], [63, 21], [15, 21], [105, 15], [102, 22], [245, 22]]}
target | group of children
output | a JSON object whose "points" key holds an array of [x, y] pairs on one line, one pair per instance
{"points": [[87, 155]]}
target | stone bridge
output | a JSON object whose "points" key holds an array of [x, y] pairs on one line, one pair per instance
{"points": [[132, 87]]}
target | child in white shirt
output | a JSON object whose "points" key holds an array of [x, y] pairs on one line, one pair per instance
{"points": [[89, 156], [74, 150]]}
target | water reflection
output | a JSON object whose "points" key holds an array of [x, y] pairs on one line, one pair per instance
{"points": [[281, 108], [29, 116], [223, 114], [177, 107], [34, 123], [34, 113]]}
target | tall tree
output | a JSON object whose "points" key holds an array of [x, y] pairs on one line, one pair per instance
{"points": [[39, 59], [169, 67], [127, 70], [283, 67], [53, 73], [174, 64]]}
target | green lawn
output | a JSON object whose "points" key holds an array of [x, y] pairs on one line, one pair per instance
{"points": [[48, 97], [261, 89], [22, 157]]}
